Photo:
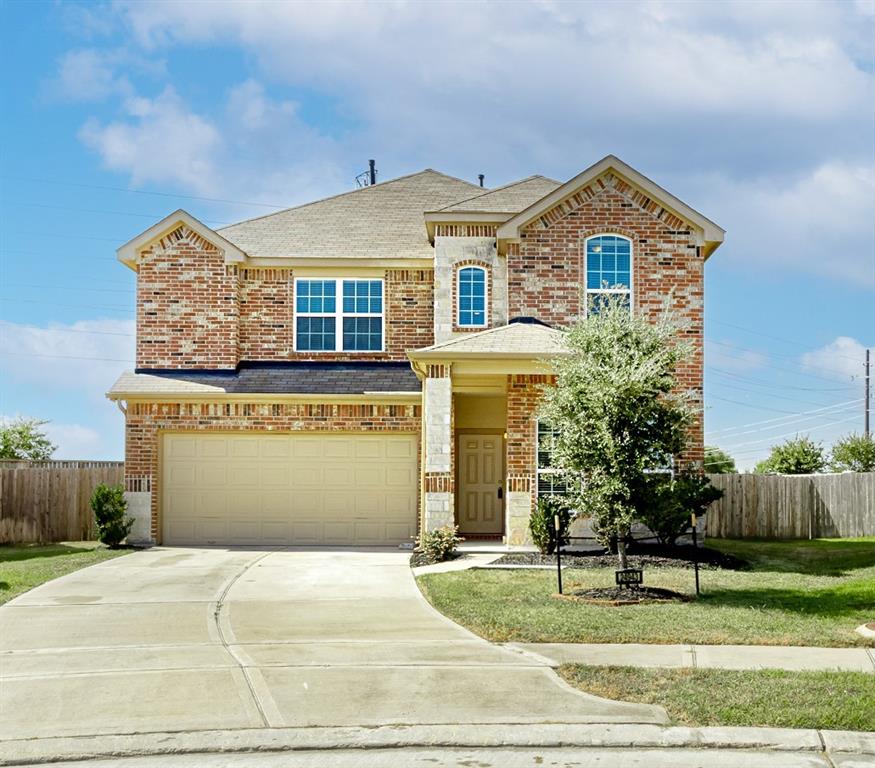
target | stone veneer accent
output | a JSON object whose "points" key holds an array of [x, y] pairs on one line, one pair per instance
{"points": [[437, 393], [145, 421], [450, 253]]}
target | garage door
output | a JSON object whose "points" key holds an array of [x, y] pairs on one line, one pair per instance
{"points": [[306, 488]]}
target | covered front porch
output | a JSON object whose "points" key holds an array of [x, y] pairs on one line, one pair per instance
{"points": [[480, 399]]}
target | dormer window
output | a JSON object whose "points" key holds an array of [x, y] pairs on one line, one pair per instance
{"points": [[608, 270], [471, 297]]}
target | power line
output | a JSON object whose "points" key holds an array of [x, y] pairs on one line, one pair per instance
{"points": [[800, 372], [839, 412], [67, 357], [761, 382], [67, 287], [788, 434], [775, 338], [735, 387], [69, 330], [784, 418], [66, 306], [103, 212], [144, 192]]}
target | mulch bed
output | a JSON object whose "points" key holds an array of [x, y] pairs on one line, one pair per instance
{"points": [[624, 595], [644, 556]]}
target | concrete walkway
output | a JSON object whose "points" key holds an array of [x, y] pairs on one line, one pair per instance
{"points": [[794, 658], [208, 639]]}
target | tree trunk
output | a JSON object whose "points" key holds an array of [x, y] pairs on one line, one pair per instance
{"points": [[621, 551]]}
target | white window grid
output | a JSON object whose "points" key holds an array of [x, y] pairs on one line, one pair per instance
{"points": [[339, 314], [591, 292], [482, 270]]}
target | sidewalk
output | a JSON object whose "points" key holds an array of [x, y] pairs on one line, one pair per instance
{"points": [[794, 658]]}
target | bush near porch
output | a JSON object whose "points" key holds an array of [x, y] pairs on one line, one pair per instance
{"points": [[812, 593]]}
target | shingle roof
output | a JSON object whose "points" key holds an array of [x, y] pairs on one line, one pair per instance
{"points": [[511, 198], [385, 220], [519, 339], [305, 378]]}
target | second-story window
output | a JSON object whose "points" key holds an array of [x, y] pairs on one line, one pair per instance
{"points": [[608, 270], [471, 297], [338, 315]]}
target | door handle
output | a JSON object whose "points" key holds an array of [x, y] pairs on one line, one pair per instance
{"points": [[500, 492]]}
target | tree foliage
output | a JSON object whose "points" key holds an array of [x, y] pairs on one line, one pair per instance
{"points": [[855, 453], [796, 456], [617, 413], [25, 440], [109, 506], [668, 502], [718, 461], [542, 523]]}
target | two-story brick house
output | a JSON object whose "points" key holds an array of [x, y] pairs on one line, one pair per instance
{"points": [[348, 371]]}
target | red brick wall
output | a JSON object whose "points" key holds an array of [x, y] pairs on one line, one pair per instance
{"points": [[546, 268], [523, 396], [145, 420], [187, 307]]}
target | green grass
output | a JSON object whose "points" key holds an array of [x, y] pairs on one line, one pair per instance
{"points": [[769, 698], [796, 593], [23, 567]]}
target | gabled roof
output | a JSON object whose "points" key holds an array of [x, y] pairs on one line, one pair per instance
{"points": [[129, 253], [511, 198], [710, 234], [517, 340], [378, 221]]}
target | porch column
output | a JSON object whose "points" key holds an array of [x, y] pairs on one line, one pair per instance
{"points": [[523, 393], [438, 426]]}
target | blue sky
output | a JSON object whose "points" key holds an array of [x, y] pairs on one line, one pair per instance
{"points": [[760, 115]]}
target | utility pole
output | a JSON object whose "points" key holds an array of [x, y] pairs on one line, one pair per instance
{"points": [[866, 398]]}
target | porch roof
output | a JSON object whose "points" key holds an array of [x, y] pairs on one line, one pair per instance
{"points": [[518, 340]]}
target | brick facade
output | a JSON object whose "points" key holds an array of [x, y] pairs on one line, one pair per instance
{"points": [[196, 312], [145, 421]]}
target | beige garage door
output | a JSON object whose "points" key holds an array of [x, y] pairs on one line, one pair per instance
{"points": [[305, 488]]}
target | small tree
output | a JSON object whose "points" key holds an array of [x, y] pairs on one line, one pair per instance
{"points": [[25, 440], [109, 506], [718, 461], [797, 456], [668, 502], [616, 413], [854, 453]]}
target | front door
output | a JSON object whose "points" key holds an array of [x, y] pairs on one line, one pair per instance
{"points": [[481, 475]]}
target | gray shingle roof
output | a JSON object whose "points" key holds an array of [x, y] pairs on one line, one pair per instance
{"points": [[297, 378], [511, 198], [383, 221]]}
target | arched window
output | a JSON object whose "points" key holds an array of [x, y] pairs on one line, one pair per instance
{"points": [[471, 297], [608, 270]]}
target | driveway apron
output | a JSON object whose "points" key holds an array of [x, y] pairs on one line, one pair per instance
{"points": [[195, 639]]}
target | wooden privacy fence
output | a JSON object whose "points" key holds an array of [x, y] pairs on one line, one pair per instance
{"points": [[793, 506], [44, 501]]}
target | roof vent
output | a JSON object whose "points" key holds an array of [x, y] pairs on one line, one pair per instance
{"points": [[527, 320], [480, 178], [369, 177]]}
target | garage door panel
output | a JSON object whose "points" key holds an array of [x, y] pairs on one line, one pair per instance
{"points": [[302, 488]]}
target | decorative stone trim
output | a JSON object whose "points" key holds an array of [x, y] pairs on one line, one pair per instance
{"points": [[438, 370], [439, 482], [465, 230], [138, 484], [519, 484]]}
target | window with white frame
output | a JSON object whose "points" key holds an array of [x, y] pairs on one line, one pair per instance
{"points": [[471, 297], [608, 270], [338, 315], [551, 481]]}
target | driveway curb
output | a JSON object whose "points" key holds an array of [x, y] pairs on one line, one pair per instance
{"points": [[631, 736]]}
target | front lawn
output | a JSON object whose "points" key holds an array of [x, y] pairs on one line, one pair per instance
{"points": [[795, 593], [768, 698], [25, 566]]}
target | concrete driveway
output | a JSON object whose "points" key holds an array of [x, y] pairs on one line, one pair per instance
{"points": [[213, 639]]}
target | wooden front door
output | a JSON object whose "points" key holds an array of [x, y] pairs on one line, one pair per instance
{"points": [[480, 461]]}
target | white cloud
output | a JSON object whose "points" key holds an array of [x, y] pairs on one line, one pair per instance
{"points": [[75, 441], [87, 355], [726, 356], [89, 75], [840, 359]]}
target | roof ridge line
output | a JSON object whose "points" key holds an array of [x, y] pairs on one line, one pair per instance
{"points": [[496, 189], [343, 194]]}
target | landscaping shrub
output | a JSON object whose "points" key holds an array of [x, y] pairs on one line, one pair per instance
{"points": [[440, 544], [669, 502], [543, 526], [799, 456], [854, 453], [109, 506]]}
